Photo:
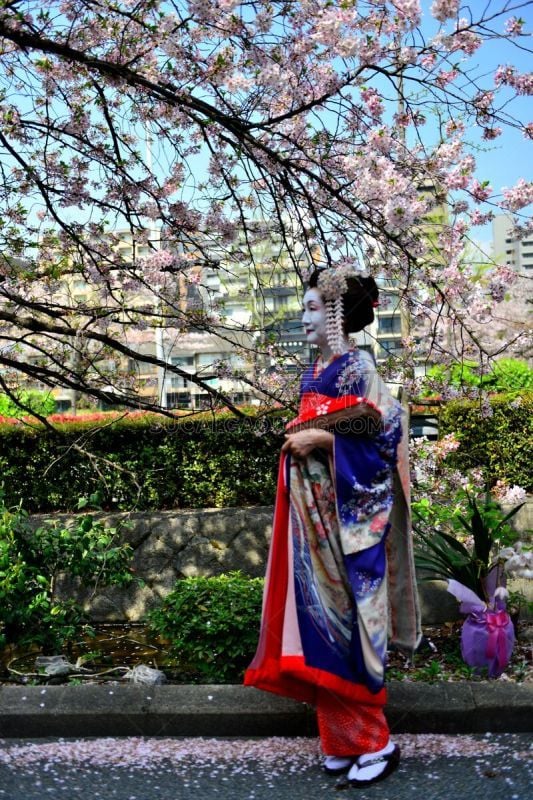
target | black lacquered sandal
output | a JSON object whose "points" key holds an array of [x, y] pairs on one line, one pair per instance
{"points": [[391, 761]]}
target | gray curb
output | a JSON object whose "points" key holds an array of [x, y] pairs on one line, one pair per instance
{"points": [[104, 710]]}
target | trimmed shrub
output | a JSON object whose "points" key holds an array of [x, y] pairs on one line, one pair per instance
{"points": [[497, 439], [211, 625], [142, 462]]}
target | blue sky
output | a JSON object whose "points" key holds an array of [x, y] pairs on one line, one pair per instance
{"points": [[508, 158]]}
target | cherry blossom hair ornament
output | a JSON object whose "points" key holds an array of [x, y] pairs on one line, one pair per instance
{"points": [[350, 298]]}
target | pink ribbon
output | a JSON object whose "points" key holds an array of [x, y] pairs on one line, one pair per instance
{"points": [[497, 640]]}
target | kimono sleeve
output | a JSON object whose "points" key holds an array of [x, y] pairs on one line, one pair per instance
{"points": [[363, 466]]}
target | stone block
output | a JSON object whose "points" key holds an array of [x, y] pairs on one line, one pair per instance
{"points": [[174, 544]]}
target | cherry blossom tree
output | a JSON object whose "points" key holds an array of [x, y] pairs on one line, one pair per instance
{"points": [[203, 127]]}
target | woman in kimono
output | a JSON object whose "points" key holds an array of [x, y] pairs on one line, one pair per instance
{"points": [[340, 574]]}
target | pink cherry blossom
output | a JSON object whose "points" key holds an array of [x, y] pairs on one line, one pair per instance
{"points": [[408, 10], [459, 176], [428, 61], [480, 191], [444, 9], [446, 76], [514, 26], [150, 146], [491, 133], [477, 217], [519, 196], [508, 75], [372, 101]]}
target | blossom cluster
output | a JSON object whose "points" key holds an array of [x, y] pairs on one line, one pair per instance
{"points": [[226, 124], [518, 560], [509, 495], [514, 26], [445, 9], [508, 75], [518, 196]]}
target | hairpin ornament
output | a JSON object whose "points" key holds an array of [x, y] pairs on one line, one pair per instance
{"points": [[332, 285]]}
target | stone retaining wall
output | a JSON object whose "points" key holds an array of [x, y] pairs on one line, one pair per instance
{"points": [[176, 544]]}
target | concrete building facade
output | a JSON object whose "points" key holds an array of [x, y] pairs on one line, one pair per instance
{"points": [[508, 249]]}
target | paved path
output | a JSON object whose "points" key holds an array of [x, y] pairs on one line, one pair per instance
{"points": [[434, 767]]}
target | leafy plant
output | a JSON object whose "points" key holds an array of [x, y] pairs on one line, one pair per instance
{"points": [[32, 562], [211, 624], [511, 374], [481, 524], [506, 375], [24, 402]]}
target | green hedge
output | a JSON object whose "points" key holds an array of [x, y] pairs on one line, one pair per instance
{"points": [[143, 462], [500, 442]]}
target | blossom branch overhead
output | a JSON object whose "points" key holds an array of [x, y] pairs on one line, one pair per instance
{"points": [[202, 128]]}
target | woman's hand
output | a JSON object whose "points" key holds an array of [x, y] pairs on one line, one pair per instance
{"points": [[300, 444]]}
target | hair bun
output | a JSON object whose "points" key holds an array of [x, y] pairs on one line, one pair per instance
{"points": [[359, 300]]}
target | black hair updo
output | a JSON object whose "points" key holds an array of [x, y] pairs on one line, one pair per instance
{"points": [[358, 302]]}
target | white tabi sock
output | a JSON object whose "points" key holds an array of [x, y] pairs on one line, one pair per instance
{"points": [[337, 762]]}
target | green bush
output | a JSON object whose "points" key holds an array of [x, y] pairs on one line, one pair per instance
{"points": [[212, 625], [511, 375], [32, 561], [28, 400], [505, 375], [142, 462], [499, 442]]}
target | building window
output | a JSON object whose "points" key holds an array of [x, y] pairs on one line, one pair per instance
{"points": [[178, 400], [389, 346], [141, 368], [182, 361], [202, 400], [389, 324], [177, 382], [208, 359]]}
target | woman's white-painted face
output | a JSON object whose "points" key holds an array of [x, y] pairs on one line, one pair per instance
{"points": [[314, 318]]}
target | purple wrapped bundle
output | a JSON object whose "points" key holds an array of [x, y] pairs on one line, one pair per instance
{"points": [[487, 640]]}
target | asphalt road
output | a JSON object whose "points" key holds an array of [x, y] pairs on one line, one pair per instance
{"points": [[491, 766]]}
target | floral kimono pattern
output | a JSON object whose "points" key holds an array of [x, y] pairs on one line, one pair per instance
{"points": [[340, 528]]}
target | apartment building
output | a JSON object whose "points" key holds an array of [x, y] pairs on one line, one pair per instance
{"points": [[508, 248], [257, 302]]}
